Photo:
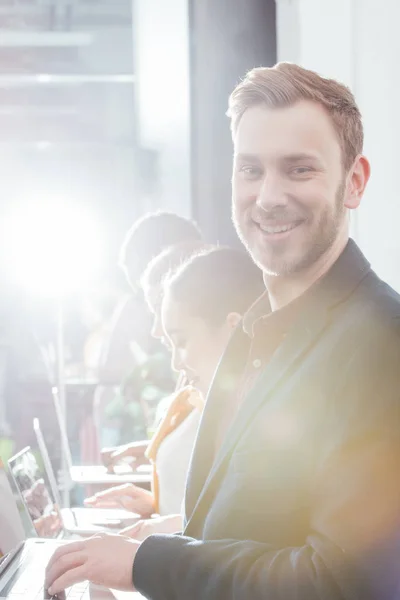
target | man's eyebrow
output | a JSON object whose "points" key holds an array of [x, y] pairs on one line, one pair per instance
{"points": [[247, 157], [290, 158], [299, 156]]}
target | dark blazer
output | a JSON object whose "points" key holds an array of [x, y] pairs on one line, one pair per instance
{"points": [[302, 500]]}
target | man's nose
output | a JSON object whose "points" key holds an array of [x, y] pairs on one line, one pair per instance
{"points": [[271, 193]]}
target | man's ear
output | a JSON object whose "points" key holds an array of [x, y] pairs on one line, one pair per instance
{"points": [[358, 179]]}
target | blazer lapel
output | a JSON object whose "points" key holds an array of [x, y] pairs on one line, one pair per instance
{"points": [[292, 349], [221, 390]]}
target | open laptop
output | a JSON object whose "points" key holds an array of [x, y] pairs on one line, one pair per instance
{"points": [[96, 474], [22, 569], [11, 526], [82, 521], [40, 501]]}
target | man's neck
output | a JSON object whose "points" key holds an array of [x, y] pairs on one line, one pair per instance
{"points": [[283, 290]]}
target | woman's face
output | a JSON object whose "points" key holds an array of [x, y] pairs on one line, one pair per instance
{"points": [[196, 346]]}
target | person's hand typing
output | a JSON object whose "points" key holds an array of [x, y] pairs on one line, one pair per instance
{"points": [[106, 454], [128, 496], [104, 559], [142, 529], [112, 456]]}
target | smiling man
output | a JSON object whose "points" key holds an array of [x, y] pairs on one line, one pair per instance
{"points": [[294, 489]]}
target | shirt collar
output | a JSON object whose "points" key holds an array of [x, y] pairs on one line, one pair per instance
{"points": [[341, 278], [261, 308]]}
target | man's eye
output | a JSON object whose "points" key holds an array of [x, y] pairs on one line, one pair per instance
{"points": [[301, 170], [250, 172]]}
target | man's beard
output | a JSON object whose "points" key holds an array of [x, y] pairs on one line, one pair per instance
{"points": [[325, 233]]}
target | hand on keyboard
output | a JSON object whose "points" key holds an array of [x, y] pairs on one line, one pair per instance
{"points": [[104, 559], [80, 591]]}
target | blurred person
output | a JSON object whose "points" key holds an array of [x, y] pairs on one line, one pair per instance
{"points": [[152, 285], [202, 304], [136, 498], [130, 326], [148, 237], [294, 490]]}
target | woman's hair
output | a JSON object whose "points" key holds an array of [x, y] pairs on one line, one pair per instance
{"points": [[169, 260], [151, 234], [215, 283]]}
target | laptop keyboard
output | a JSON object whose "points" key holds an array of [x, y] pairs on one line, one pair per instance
{"points": [[27, 584], [28, 587], [76, 592]]}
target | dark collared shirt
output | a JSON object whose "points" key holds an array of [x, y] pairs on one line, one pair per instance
{"points": [[266, 330]]}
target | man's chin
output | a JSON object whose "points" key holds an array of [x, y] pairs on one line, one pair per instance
{"points": [[274, 266]]}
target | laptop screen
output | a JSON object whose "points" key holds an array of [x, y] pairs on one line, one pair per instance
{"points": [[63, 429], [36, 494], [11, 527]]}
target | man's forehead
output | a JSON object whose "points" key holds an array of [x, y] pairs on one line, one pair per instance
{"points": [[304, 128]]}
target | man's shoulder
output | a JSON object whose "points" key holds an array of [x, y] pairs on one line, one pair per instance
{"points": [[370, 326], [366, 353], [382, 301], [367, 322]]}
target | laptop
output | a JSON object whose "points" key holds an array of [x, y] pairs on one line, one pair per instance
{"points": [[22, 568], [43, 508], [12, 530], [82, 521], [96, 474]]}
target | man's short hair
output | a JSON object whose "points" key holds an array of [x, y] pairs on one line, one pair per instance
{"points": [[285, 84], [149, 236]]}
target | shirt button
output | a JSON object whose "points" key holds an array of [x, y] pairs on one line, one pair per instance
{"points": [[257, 363]]}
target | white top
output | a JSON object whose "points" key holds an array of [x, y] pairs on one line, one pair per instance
{"points": [[172, 461]]}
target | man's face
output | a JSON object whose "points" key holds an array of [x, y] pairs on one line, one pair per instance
{"points": [[288, 186]]}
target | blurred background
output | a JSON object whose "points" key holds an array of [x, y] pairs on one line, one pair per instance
{"points": [[110, 109]]}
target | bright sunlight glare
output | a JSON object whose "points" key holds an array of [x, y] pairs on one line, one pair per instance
{"points": [[53, 248]]}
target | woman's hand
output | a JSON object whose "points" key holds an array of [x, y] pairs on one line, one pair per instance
{"points": [[106, 454], [105, 560], [112, 456], [142, 529], [127, 496]]}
